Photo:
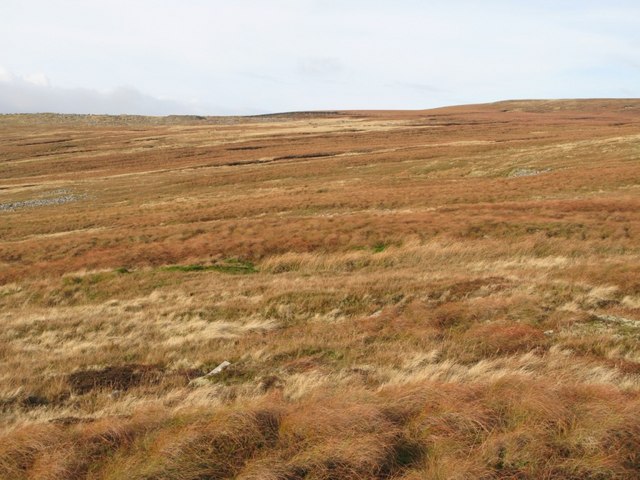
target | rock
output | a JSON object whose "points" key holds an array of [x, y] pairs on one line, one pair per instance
{"points": [[61, 197], [218, 369], [115, 394], [548, 332], [200, 381], [527, 172]]}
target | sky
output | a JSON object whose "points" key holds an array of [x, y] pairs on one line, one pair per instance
{"points": [[213, 57]]}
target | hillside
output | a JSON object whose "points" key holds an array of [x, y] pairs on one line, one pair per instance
{"points": [[450, 294]]}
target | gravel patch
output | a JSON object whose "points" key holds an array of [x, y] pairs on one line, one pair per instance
{"points": [[59, 197], [527, 172]]}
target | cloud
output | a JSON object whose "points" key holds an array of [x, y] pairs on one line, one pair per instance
{"points": [[33, 93], [39, 79], [253, 56], [416, 86], [320, 66], [5, 76]]}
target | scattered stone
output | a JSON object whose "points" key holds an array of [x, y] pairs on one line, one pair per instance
{"points": [[218, 369], [616, 319], [527, 172], [548, 332], [203, 380], [61, 197], [115, 394]]}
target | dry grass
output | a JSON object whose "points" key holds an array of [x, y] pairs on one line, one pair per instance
{"points": [[447, 294]]}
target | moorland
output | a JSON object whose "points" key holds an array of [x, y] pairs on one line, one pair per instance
{"points": [[449, 294]]}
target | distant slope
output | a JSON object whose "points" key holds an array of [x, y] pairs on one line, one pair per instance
{"points": [[591, 106]]}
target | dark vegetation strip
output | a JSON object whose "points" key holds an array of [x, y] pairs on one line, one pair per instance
{"points": [[232, 266]]}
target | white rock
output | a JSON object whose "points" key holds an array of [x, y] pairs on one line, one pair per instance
{"points": [[218, 369], [115, 394]]}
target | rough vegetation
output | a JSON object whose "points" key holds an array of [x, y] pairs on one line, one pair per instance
{"points": [[446, 294]]}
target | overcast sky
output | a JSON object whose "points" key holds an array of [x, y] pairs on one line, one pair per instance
{"points": [[254, 56]]}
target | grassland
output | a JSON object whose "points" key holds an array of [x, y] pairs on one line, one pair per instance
{"points": [[441, 294]]}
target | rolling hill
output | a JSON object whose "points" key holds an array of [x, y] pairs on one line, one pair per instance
{"points": [[450, 293]]}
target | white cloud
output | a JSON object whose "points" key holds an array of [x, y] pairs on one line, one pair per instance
{"points": [[39, 79], [33, 93], [320, 66], [270, 55], [5, 75]]}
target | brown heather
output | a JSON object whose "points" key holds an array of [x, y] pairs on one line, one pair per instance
{"points": [[442, 294]]}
